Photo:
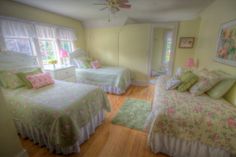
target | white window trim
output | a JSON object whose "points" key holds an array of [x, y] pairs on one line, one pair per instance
{"points": [[34, 41]]}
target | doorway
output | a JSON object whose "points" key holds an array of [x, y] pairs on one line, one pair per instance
{"points": [[163, 43]]}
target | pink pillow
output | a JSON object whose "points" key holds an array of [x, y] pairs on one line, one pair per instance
{"points": [[96, 64], [40, 80]]}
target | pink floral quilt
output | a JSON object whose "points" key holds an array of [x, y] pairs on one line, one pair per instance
{"points": [[194, 118]]}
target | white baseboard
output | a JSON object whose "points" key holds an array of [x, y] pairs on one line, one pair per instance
{"points": [[23, 153], [139, 83]]}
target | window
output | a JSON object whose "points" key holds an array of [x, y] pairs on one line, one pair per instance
{"points": [[22, 45], [167, 47], [33, 38], [47, 50], [67, 45]]}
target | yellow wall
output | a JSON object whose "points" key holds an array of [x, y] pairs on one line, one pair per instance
{"points": [[188, 28], [219, 12], [9, 141], [134, 45], [125, 46], [9, 8], [102, 44]]}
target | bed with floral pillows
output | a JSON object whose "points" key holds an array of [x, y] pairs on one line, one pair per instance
{"points": [[194, 114]]}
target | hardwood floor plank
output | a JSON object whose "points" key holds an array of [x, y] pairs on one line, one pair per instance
{"points": [[110, 140]]}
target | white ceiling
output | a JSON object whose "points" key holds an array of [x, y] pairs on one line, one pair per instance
{"points": [[141, 10]]}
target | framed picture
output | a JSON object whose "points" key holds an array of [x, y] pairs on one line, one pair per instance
{"points": [[226, 44], [186, 42]]}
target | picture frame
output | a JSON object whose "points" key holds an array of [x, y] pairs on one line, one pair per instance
{"points": [[226, 44], [186, 42]]}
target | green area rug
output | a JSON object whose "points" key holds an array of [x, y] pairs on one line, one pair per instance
{"points": [[133, 114]]}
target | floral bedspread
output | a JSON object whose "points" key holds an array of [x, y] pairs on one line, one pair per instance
{"points": [[58, 110], [194, 118]]}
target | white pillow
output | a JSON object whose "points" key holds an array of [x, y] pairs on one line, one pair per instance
{"points": [[172, 83]]}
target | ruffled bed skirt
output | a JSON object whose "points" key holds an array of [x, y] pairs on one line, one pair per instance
{"points": [[182, 148], [109, 89], [41, 137]]}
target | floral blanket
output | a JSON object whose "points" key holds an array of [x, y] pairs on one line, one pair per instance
{"points": [[193, 118], [58, 110]]}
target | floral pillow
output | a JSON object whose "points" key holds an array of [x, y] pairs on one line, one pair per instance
{"points": [[24, 74], [40, 80], [207, 81], [10, 80], [96, 64], [173, 83]]}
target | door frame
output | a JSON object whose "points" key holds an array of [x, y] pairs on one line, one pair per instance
{"points": [[172, 25]]}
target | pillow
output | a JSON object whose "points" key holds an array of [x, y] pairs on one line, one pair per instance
{"points": [[172, 83], [96, 64], [221, 88], [40, 80], [180, 71], [23, 75], [207, 81], [82, 62], [231, 95], [10, 80], [188, 79]]}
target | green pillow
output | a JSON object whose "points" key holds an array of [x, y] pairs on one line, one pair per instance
{"points": [[221, 88], [10, 80], [188, 79], [231, 95], [23, 75], [83, 62]]}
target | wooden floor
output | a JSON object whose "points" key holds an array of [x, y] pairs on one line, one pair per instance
{"points": [[109, 140]]}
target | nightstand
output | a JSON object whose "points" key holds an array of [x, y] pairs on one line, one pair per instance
{"points": [[64, 72]]}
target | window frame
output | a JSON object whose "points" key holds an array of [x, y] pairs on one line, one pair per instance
{"points": [[30, 40]]}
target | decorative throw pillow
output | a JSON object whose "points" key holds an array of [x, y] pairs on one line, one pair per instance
{"points": [[231, 95], [172, 83], [221, 88], [188, 79], [82, 62], [23, 75], [96, 64], [180, 71], [40, 80], [207, 81], [10, 80]]}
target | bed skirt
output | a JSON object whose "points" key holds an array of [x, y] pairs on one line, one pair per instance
{"points": [[182, 148], [41, 138]]}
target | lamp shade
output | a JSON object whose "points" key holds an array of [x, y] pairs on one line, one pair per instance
{"points": [[190, 63], [64, 53]]}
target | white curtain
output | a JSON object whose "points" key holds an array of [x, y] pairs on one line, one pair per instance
{"points": [[65, 34], [45, 32], [16, 29]]}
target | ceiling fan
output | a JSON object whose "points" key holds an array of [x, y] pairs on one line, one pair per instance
{"points": [[114, 5]]}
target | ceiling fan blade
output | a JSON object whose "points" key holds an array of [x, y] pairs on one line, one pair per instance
{"points": [[99, 4], [103, 8], [123, 1], [125, 6]]}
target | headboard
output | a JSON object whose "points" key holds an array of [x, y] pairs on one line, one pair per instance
{"points": [[16, 61], [77, 53]]}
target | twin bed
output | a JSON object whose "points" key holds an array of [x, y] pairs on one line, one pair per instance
{"points": [[59, 116], [115, 80]]}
